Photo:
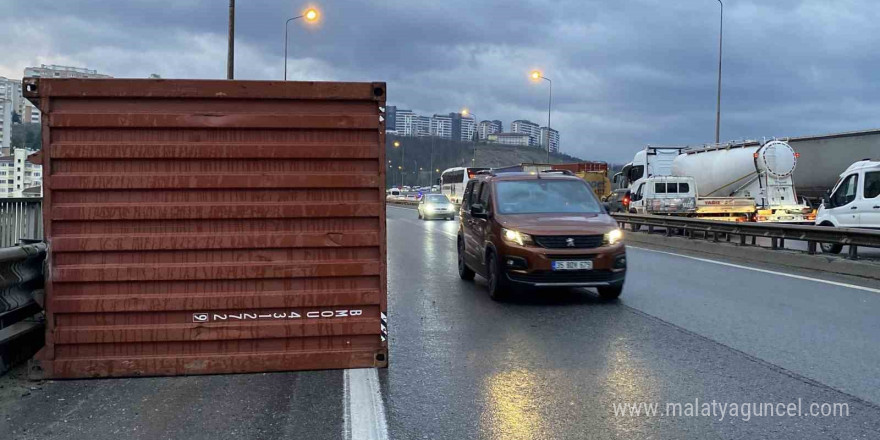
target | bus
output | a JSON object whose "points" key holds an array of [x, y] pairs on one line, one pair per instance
{"points": [[453, 181]]}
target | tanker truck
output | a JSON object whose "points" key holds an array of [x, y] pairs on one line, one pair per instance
{"points": [[727, 175]]}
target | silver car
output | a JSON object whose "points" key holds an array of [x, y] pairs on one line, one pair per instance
{"points": [[436, 206]]}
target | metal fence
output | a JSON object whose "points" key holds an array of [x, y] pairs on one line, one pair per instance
{"points": [[748, 232], [21, 291], [20, 218]]}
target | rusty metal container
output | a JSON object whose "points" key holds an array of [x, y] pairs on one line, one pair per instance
{"points": [[201, 227]]}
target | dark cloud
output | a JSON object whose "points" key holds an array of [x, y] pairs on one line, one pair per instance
{"points": [[625, 74]]}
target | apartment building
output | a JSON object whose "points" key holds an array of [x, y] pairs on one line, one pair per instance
{"points": [[529, 128], [18, 176], [458, 127], [489, 127], [550, 136], [56, 71], [441, 126], [6, 107]]}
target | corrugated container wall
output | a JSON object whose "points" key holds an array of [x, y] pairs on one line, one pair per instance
{"points": [[200, 227]]}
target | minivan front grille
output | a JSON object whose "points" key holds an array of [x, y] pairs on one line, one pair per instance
{"points": [[568, 241]]}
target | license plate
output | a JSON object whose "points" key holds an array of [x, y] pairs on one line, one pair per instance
{"points": [[573, 265]]}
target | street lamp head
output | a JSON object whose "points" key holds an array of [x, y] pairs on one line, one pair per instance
{"points": [[311, 15], [536, 75], [396, 144], [465, 112]]}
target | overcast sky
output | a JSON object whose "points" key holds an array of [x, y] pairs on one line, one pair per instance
{"points": [[625, 73]]}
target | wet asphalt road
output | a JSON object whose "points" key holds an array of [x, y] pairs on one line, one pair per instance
{"points": [[550, 365]]}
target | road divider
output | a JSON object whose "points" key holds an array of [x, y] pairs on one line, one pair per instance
{"points": [[748, 232]]}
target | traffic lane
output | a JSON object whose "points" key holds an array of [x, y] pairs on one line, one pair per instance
{"points": [[552, 364], [827, 332], [246, 406]]}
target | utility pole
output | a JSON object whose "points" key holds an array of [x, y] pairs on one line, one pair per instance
{"points": [[230, 54], [718, 105]]}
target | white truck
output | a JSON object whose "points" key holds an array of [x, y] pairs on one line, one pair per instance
{"points": [[733, 182]]}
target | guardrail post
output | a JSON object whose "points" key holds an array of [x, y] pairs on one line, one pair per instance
{"points": [[782, 243], [774, 243], [742, 239], [650, 229], [853, 252], [754, 240], [811, 247]]}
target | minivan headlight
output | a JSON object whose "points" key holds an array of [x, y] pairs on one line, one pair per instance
{"points": [[614, 236], [516, 237]]}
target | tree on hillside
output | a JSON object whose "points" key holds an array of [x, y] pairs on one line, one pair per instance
{"points": [[27, 135], [421, 155]]}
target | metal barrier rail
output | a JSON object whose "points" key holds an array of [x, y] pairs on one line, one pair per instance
{"points": [[20, 218], [777, 233], [402, 202], [21, 274], [21, 284]]}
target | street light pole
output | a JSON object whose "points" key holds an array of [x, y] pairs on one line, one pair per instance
{"points": [[549, 106], [309, 15], [402, 147], [230, 51], [538, 75], [718, 105]]}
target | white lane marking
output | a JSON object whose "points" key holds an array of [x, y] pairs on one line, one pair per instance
{"points": [[364, 417], [773, 272]]}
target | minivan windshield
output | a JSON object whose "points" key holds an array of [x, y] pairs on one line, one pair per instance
{"points": [[546, 196]]}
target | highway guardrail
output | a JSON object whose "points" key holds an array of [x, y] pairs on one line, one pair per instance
{"points": [[748, 232], [20, 218], [21, 284]]}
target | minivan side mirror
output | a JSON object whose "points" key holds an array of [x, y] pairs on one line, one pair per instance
{"points": [[826, 200], [479, 211]]}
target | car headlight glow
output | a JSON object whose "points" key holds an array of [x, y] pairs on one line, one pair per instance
{"points": [[516, 237], [614, 236]]}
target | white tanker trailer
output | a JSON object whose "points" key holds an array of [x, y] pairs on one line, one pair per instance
{"points": [[760, 172], [726, 175]]}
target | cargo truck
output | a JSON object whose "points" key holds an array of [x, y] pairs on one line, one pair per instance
{"points": [[736, 182], [594, 173]]}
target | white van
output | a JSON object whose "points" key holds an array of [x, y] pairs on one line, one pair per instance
{"points": [[664, 195], [392, 194], [854, 202]]}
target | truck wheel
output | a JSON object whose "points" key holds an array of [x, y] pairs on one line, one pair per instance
{"points": [[464, 272], [610, 292], [830, 248], [498, 285]]}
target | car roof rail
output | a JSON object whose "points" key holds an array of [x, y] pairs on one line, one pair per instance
{"points": [[566, 172]]}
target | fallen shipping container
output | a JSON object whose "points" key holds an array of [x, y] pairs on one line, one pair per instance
{"points": [[201, 227]]}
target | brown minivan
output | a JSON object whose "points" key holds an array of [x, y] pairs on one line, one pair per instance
{"points": [[538, 230]]}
